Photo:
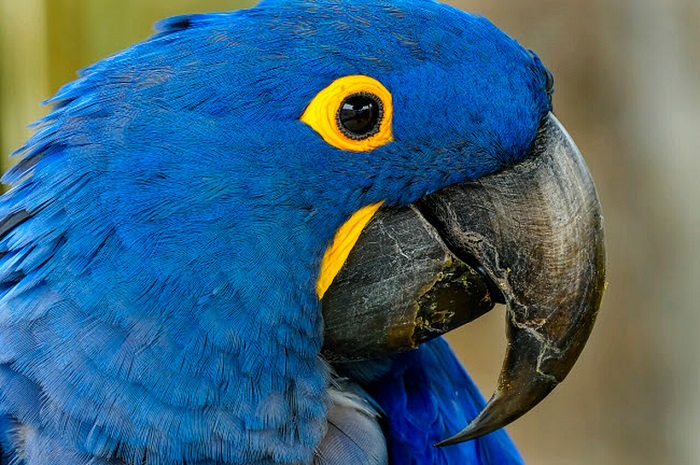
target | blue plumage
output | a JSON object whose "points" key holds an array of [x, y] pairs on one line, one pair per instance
{"points": [[163, 234], [427, 396]]}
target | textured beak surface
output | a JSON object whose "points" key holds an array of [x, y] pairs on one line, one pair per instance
{"points": [[400, 286], [530, 235]]}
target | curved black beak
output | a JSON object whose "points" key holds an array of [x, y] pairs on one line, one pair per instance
{"points": [[531, 235]]}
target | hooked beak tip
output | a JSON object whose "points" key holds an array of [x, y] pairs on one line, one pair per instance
{"points": [[542, 242]]}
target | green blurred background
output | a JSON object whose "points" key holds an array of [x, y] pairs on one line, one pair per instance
{"points": [[628, 89]]}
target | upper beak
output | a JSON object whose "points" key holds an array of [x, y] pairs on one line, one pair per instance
{"points": [[530, 235]]}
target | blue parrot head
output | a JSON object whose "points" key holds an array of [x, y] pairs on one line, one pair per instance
{"points": [[198, 136], [198, 178], [223, 96], [465, 98]]}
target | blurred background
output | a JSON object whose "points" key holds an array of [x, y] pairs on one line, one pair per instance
{"points": [[628, 89]]}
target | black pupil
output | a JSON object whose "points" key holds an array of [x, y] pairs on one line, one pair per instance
{"points": [[359, 115]]}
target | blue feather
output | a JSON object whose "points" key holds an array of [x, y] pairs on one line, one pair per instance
{"points": [[427, 397]]}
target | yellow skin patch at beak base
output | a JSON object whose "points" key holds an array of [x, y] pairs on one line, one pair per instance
{"points": [[343, 242]]}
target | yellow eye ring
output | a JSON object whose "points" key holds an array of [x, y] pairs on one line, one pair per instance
{"points": [[353, 113]]}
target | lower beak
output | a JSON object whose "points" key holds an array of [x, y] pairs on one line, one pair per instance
{"points": [[530, 235]]}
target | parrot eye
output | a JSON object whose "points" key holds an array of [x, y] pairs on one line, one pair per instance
{"points": [[359, 115], [353, 113]]}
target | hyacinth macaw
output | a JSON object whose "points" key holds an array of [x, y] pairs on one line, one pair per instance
{"points": [[235, 242]]}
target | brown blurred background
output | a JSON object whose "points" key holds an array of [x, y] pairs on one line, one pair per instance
{"points": [[628, 89]]}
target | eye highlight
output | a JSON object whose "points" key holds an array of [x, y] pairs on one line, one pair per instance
{"points": [[353, 113]]}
